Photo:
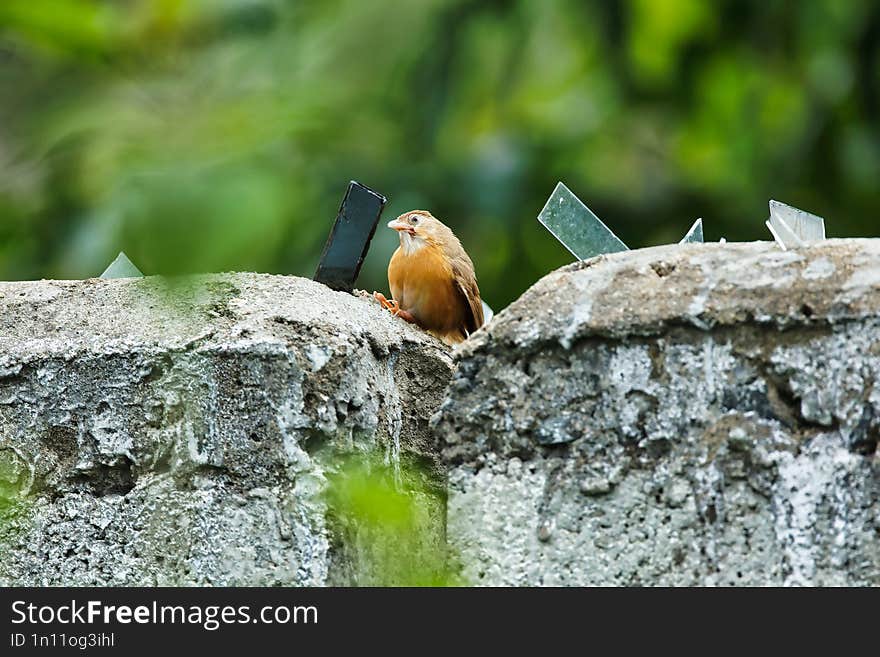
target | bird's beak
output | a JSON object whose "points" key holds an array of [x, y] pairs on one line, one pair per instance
{"points": [[401, 226]]}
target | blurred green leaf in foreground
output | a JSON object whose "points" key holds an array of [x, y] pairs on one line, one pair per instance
{"points": [[14, 501], [392, 523]]}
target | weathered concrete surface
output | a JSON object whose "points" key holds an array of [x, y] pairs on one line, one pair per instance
{"points": [[706, 414], [180, 437]]}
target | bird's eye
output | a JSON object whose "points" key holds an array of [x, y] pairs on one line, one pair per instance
{"points": [[413, 220]]}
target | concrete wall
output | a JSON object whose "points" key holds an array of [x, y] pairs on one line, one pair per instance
{"points": [[703, 414], [706, 414], [153, 435]]}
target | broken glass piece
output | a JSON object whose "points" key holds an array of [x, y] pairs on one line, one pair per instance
{"points": [[122, 267], [783, 235], [792, 227], [695, 234], [576, 227], [488, 313], [350, 237]]}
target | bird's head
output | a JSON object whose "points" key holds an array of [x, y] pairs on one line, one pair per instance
{"points": [[418, 228]]}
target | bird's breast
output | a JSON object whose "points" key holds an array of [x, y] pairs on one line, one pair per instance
{"points": [[423, 284]]}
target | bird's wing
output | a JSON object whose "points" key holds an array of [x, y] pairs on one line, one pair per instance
{"points": [[466, 284], [395, 275]]}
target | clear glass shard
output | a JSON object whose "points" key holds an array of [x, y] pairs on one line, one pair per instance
{"points": [[576, 227], [488, 313], [784, 236], [805, 226], [695, 234], [122, 267]]}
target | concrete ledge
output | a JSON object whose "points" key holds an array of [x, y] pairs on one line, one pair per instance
{"points": [[706, 414]]}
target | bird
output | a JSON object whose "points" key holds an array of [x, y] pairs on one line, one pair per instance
{"points": [[432, 279]]}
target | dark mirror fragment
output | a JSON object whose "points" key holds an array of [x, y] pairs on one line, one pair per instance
{"points": [[350, 237]]}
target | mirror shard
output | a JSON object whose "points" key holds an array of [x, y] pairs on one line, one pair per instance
{"points": [[350, 237]]}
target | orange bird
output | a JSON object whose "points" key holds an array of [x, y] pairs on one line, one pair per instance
{"points": [[432, 279]]}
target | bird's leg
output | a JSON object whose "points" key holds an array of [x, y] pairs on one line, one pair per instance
{"points": [[394, 307]]}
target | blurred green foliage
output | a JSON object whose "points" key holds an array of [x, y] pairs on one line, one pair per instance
{"points": [[15, 503], [389, 516], [212, 135]]}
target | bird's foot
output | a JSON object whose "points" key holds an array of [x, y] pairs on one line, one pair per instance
{"points": [[389, 304], [393, 306]]}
